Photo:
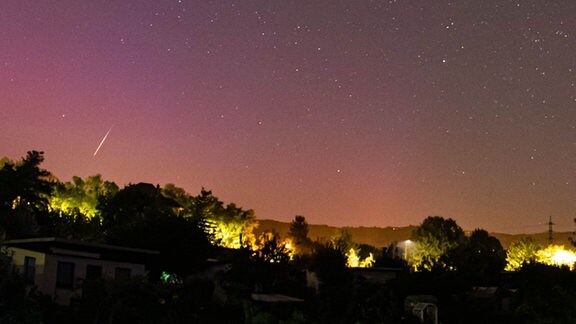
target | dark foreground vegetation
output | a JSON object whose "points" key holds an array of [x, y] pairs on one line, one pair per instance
{"points": [[211, 267]]}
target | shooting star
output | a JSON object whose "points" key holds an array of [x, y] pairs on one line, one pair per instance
{"points": [[102, 142]]}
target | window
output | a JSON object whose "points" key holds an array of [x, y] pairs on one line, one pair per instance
{"points": [[93, 271], [65, 275], [29, 270], [122, 274]]}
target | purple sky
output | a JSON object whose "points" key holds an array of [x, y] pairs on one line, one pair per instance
{"points": [[357, 113]]}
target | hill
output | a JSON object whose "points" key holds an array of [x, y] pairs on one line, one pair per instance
{"points": [[384, 236]]}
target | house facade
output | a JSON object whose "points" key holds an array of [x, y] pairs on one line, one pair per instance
{"points": [[58, 267]]}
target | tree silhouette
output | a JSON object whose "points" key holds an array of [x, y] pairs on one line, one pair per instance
{"points": [[272, 249], [228, 226], [140, 216], [482, 256], [335, 289], [184, 200], [24, 192], [299, 234], [437, 240]]}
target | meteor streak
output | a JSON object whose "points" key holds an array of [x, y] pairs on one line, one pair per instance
{"points": [[102, 142]]}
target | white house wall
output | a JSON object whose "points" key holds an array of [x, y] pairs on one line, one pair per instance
{"points": [[47, 266]]}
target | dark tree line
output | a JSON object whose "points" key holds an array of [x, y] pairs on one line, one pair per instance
{"points": [[34, 203], [186, 230]]}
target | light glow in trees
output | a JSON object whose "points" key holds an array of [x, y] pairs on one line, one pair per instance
{"points": [[556, 255], [81, 195], [228, 226], [526, 251], [436, 240]]}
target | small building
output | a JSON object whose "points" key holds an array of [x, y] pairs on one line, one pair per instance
{"points": [[371, 276], [376, 275], [58, 267], [275, 308], [422, 307]]}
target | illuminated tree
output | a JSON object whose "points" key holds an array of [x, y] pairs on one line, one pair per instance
{"points": [[521, 252], [342, 242], [556, 255], [436, 242], [83, 196], [5, 160], [228, 226], [234, 227], [354, 260], [179, 195]]}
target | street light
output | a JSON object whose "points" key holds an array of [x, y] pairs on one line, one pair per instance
{"points": [[407, 244]]}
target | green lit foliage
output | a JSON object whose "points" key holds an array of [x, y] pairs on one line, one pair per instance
{"points": [[367, 255], [82, 196], [228, 226], [436, 241], [556, 255], [185, 201], [525, 251], [353, 259], [521, 252], [24, 192], [5, 160], [342, 242]]}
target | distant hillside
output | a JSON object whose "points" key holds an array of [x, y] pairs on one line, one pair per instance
{"points": [[384, 236], [376, 236], [560, 238]]}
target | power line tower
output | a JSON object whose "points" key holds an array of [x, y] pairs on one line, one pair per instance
{"points": [[550, 232], [572, 240]]}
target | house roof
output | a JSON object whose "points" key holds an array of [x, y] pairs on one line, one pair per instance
{"points": [[58, 246], [275, 298], [377, 275]]}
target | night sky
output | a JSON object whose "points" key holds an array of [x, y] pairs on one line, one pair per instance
{"points": [[350, 112]]}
